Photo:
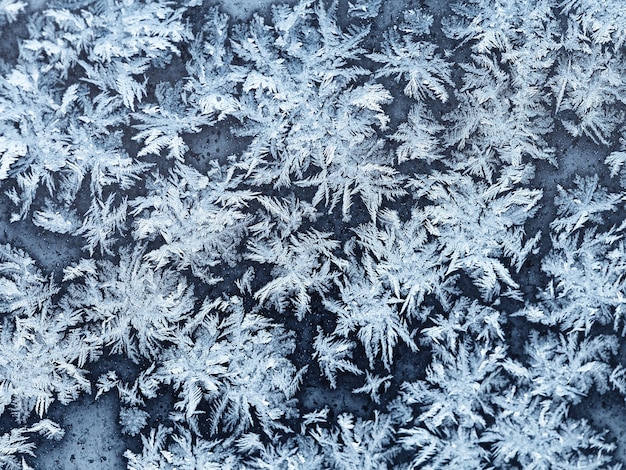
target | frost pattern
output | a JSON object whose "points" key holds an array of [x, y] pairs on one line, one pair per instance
{"points": [[331, 242]]}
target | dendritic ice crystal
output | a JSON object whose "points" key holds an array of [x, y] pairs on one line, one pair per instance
{"points": [[313, 235]]}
